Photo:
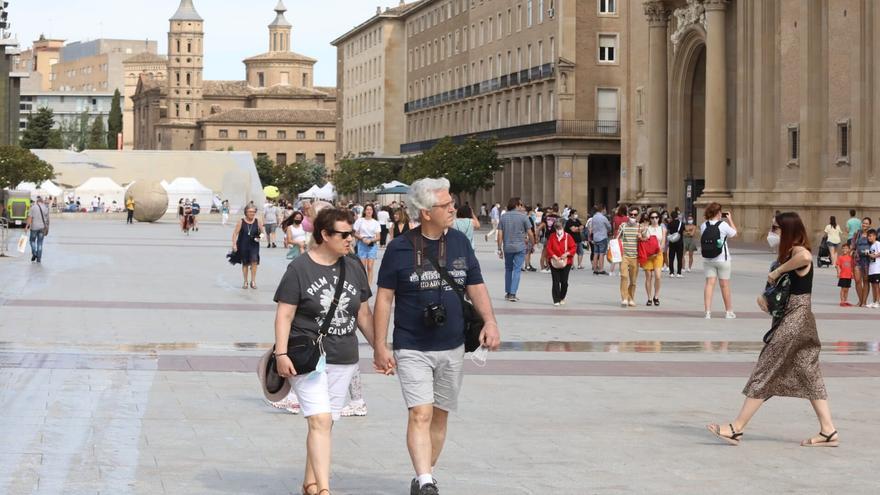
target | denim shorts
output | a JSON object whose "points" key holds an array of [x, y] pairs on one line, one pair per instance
{"points": [[600, 247]]}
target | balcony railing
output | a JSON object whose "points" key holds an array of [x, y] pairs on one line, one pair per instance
{"points": [[563, 128], [483, 87]]}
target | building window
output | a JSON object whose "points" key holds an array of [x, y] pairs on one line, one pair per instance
{"points": [[529, 13], [261, 80], [281, 135], [300, 157], [640, 104], [607, 48], [224, 133], [843, 141], [242, 134], [262, 134], [607, 7], [552, 105], [305, 80], [281, 159], [300, 134], [320, 158], [319, 135], [606, 111], [793, 143]]}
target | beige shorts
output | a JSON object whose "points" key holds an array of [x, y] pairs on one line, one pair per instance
{"points": [[430, 377], [717, 269]]}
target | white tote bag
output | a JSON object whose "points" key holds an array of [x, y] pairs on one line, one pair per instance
{"points": [[22, 243], [614, 250]]}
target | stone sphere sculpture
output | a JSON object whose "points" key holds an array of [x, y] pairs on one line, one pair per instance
{"points": [[150, 200]]}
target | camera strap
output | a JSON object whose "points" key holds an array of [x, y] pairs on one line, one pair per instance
{"points": [[414, 236]]}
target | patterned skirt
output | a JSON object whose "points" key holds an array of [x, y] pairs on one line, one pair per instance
{"points": [[789, 365]]}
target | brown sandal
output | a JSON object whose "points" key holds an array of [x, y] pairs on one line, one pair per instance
{"points": [[733, 439], [823, 443], [306, 489]]}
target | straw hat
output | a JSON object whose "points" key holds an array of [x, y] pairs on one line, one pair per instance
{"points": [[274, 387]]}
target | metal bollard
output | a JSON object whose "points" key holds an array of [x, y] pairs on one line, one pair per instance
{"points": [[4, 237]]}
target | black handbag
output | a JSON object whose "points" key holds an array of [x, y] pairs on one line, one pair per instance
{"points": [[303, 350], [777, 296], [473, 322]]}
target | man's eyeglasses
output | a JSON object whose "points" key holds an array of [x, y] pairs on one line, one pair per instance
{"points": [[445, 206], [633, 215], [344, 234]]}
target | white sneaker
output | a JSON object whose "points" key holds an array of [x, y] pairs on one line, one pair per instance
{"points": [[545, 270], [631, 303], [665, 269], [730, 315], [624, 303], [708, 315], [687, 270], [556, 304], [562, 302], [354, 409]]}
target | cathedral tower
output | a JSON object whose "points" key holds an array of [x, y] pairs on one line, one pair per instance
{"points": [[185, 64], [279, 30]]}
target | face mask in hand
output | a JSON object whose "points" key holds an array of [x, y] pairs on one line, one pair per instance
{"points": [[773, 240]]}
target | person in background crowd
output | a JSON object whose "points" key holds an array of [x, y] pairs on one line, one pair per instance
{"points": [[224, 211], [514, 234], [383, 216], [629, 235], [294, 235], [560, 251], [196, 209], [246, 244], [654, 264], [530, 245], [690, 241], [484, 210], [874, 267], [619, 219], [270, 221], [844, 274], [129, 209], [466, 223], [788, 366], [400, 223], [675, 231], [548, 223], [832, 230], [575, 228], [860, 249], [715, 231], [600, 229], [853, 225], [494, 218], [367, 231], [37, 228]]}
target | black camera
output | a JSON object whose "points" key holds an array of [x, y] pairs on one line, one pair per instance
{"points": [[434, 315], [865, 252]]}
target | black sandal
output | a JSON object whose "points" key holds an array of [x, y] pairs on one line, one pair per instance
{"points": [[650, 303], [733, 439], [826, 443], [656, 302]]}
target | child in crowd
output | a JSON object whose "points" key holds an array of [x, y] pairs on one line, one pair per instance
{"points": [[844, 275], [874, 267]]}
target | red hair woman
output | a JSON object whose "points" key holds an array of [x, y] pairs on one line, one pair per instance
{"points": [[789, 363]]}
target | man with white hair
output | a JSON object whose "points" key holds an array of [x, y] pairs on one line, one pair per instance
{"points": [[429, 323]]}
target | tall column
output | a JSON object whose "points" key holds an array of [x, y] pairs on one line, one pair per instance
{"points": [[716, 101], [538, 179], [517, 179], [658, 94], [550, 165]]}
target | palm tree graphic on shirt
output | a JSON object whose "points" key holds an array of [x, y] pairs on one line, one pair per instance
{"points": [[341, 316]]}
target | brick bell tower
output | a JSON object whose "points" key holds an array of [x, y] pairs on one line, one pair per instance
{"points": [[185, 64]]}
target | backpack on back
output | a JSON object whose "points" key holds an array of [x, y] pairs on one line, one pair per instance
{"points": [[711, 245]]}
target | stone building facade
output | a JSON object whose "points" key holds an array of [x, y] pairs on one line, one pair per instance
{"points": [[38, 61], [762, 106], [275, 111], [543, 77], [149, 66], [95, 65], [371, 82]]}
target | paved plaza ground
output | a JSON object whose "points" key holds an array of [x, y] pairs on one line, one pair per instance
{"points": [[127, 366]]}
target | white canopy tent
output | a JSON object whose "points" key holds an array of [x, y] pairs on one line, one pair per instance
{"points": [[189, 188], [47, 189], [327, 193], [104, 188], [312, 193]]}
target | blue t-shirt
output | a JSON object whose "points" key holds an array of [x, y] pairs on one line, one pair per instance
{"points": [[413, 291]]}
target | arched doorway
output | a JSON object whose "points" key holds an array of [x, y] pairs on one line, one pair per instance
{"points": [[687, 130]]}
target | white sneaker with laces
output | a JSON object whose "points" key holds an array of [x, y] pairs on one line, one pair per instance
{"points": [[631, 303], [730, 315], [354, 409], [556, 304], [708, 315], [624, 303]]}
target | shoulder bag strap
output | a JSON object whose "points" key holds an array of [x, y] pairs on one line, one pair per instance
{"points": [[40, 209], [333, 305]]}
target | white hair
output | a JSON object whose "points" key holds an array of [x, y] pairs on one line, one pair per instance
{"points": [[422, 194]]}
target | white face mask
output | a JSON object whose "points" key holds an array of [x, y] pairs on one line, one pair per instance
{"points": [[632, 220], [690, 221], [773, 240]]}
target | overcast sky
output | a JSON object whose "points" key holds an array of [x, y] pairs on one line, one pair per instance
{"points": [[234, 29]]}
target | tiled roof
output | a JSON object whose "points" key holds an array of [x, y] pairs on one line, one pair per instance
{"points": [[226, 88], [330, 90], [290, 56], [144, 57], [265, 116], [286, 90], [186, 12]]}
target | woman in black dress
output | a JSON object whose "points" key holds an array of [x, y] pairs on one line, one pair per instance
{"points": [[789, 363], [401, 223], [246, 244]]}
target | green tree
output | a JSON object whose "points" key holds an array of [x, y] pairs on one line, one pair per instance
{"points": [[18, 164], [56, 141], [80, 135], [469, 166], [39, 128], [266, 170], [97, 135], [114, 121], [353, 175], [294, 178]]}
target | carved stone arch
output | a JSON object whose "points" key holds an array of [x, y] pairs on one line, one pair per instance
{"points": [[691, 47]]}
